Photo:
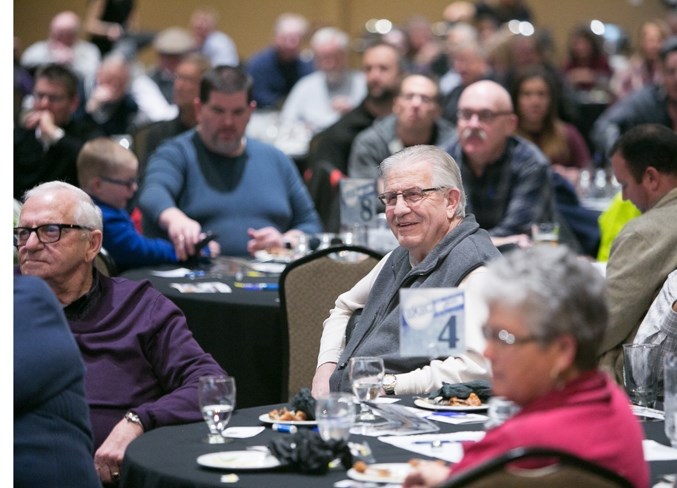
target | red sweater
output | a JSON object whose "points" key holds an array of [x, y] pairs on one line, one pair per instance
{"points": [[589, 417]]}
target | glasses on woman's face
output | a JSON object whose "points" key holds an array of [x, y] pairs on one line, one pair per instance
{"points": [[505, 338], [47, 233], [411, 196]]}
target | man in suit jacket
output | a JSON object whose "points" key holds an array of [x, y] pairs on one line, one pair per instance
{"points": [[644, 161]]}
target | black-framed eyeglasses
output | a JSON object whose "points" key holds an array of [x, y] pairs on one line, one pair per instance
{"points": [[506, 338], [47, 233], [484, 116], [128, 183], [411, 196]]}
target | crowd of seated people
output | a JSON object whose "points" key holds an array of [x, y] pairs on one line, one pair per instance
{"points": [[498, 103]]}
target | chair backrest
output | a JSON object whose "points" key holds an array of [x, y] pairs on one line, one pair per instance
{"points": [[308, 289], [104, 263], [557, 469]]}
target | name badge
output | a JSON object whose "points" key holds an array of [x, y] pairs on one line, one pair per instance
{"points": [[432, 322]]}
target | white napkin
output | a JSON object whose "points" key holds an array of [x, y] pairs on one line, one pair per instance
{"points": [[654, 451], [450, 451], [242, 432], [171, 273], [202, 287]]}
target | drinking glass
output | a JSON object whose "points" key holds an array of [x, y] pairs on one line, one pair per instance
{"points": [[335, 415], [366, 377], [639, 373], [670, 404], [216, 396]]}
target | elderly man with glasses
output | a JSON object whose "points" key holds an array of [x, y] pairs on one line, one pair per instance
{"points": [[439, 246], [142, 363], [506, 178]]}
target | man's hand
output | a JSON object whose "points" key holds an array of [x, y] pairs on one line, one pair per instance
{"points": [[108, 457], [183, 231], [43, 120], [263, 238], [321, 379]]}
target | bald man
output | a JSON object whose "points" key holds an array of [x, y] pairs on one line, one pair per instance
{"points": [[506, 178], [64, 47]]}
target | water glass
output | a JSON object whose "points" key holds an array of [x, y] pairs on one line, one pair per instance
{"points": [[335, 415], [640, 373], [366, 377], [670, 404], [499, 410], [216, 396]]}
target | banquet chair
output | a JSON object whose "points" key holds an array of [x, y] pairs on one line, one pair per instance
{"points": [[309, 287], [104, 263], [562, 470]]}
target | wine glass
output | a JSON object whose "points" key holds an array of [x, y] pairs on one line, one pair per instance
{"points": [[216, 396], [366, 377], [335, 415]]}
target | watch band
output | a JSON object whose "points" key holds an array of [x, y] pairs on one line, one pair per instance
{"points": [[389, 383], [133, 418]]}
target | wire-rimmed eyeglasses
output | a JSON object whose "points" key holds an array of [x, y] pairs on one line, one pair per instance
{"points": [[410, 196]]}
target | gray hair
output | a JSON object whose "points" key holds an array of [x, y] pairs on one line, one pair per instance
{"points": [[327, 35], [86, 212], [445, 170], [556, 292]]}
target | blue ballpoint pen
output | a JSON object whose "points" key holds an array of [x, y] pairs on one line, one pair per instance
{"points": [[256, 286]]}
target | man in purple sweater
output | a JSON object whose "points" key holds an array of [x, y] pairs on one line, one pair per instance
{"points": [[142, 362]]}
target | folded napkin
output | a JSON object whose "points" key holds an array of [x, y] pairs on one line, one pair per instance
{"points": [[448, 447], [307, 452], [481, 388], [304, 402]]}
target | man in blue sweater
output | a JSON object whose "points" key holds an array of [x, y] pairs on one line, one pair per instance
{"points": [[214, 178]]}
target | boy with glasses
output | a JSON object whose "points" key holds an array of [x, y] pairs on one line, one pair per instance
{"points": [[108, 173]]}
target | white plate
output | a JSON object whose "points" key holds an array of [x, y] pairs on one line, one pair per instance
{"points": [[430, 405], [244, 460], [265, 418], [396, 473]]}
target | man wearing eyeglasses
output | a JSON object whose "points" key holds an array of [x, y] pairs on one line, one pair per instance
{"points": [[439, 246], [48, 140], [142, 363], [506, 178], [416, 119]]}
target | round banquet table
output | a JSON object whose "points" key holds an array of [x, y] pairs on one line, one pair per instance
{"points": [[166, 457], [242, 330]]}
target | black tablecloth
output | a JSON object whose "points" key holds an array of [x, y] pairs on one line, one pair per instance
{"points": [[242, 330], [166, 457]]}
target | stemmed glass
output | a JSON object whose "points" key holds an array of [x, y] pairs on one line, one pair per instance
{"points": [[366, 377], [216, 396]]}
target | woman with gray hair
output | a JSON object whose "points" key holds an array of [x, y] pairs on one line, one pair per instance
{"points": [[547, 316]]}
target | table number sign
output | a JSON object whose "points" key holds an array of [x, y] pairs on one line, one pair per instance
{"points": [[432, 322], [359, 203]]}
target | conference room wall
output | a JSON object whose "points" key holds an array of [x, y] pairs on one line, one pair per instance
{"points": [[249, 22]]}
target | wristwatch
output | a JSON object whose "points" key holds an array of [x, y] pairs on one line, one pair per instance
{"points": [[389, 384], [133, 418]]}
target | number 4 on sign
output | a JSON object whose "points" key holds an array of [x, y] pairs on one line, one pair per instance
{"points": [[448, 334]]}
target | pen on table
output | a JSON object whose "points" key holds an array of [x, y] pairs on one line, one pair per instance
{"points": [[256, 286], [449, 414], [289, 429], [195, 274]]}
